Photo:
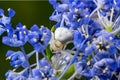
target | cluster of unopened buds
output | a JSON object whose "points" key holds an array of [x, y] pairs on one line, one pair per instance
{"points": [[84, 43]]}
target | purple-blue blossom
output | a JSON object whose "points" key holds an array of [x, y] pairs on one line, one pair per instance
{"points": [[91, 26], [4, 20], [39, 37], [15, 37]]}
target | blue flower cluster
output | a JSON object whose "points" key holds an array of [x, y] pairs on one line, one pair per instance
{"points": [[95, 28], [91, 26], [38, 37]]}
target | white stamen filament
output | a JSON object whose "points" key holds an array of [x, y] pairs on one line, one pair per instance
{"points": [[24, 32], [31, 53], [83, 30], [94, 11], [101, 19], [37, 59], [116, 23], [111, 16], [62, 22]]}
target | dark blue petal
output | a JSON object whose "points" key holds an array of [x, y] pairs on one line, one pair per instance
{"points": [[19, 25], [11, 12], [103, 13], [78, 40], [112, 49], [14, 57]]}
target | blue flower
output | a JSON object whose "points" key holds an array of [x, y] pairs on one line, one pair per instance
{"points": [[70, 12], [102, 69], [106, 63], [17, 59], [112, 49], [89, 50], [39, 38], [15, 38], [105, 66], [4, 20], [90, 26], [105, 6], [78, 40], [80, 66], [37, 74], [11, 75], [56, 16], [45, 71]]}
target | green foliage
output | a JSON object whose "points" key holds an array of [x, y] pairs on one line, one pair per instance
{"points": [[49, 53], [53, 29], [68, 73]]}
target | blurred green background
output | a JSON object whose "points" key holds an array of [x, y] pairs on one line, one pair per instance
{"points": [[28, 13]]}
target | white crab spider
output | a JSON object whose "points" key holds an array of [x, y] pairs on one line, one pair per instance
{"points": [[63, 34], [55, 45]]}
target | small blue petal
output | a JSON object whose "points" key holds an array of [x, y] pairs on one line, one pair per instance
{"points": [[19, 25], [103, 13], [17, 62], [11, 12], [9, 53], [56, 18], [36, 72], [14, 57], [62, 8], [1, 12], [112, 49], [44, 63], [52, 2], [2, 30], [89, 50], [118, 62], [34, 28], [12, 42]]}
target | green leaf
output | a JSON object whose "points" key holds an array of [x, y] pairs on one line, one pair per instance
{"points": [[68, 73], [53, 29], [49, 53]]}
